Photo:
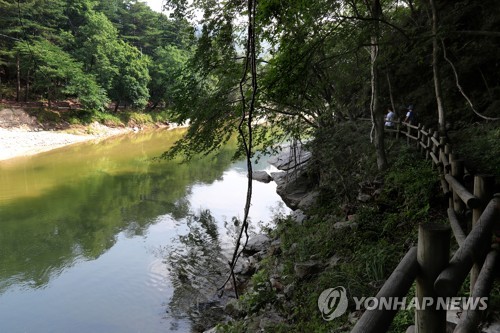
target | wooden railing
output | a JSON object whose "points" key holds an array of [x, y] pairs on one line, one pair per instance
{"points": [[472, 215]]}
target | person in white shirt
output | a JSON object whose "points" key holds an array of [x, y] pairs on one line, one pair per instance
{"points": [[389, 118]]}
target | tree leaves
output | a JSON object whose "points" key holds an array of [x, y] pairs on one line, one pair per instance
{"points": [[107, 46]]}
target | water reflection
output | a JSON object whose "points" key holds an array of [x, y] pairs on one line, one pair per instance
{"points": [[196, 264], [82, 199], [87, 233]]}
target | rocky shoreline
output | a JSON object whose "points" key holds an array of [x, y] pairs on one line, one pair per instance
{"points": [[299, 193]]}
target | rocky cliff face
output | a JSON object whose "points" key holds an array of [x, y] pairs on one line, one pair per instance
{"points": [[294, 184], [18, 118]]}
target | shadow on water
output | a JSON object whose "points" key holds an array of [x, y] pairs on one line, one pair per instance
{"points": [[197, 267]]}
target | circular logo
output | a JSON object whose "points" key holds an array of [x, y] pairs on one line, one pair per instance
{"points": [[332, 303]]}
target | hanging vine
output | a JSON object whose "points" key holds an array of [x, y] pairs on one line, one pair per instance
{"points": [[245, 123], [459, 87]]}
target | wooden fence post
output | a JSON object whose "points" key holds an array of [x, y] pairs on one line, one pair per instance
{"points": [[419, 137], [484, 188], [453, 157], [429, 144], [469, 321], [396, 286], [447, 151], [432, 254], [451, 278], [458, 232], [422, 139], [435, 147], [443, 155], [457, 171]]}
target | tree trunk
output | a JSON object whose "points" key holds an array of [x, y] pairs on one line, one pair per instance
{"points": [[18, 82], [390, 95], [435, 68], [376, 111], [49, 98], [27, 87], [116, 106]]}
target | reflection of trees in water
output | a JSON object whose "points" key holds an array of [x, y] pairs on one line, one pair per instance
{"points": [[197, 267], [233, 230], [233, 226], [41, 236]]}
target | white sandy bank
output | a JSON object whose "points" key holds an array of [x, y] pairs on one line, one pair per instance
{"points": [[16, 142]]}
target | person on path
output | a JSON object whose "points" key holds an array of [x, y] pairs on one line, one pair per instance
{"points": [[410, 115], [389, 118]]}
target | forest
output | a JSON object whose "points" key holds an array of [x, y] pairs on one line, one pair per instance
{"points": [[316, 63], [92, 53]]}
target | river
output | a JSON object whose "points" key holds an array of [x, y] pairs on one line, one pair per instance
{"points": [[102, 237]]}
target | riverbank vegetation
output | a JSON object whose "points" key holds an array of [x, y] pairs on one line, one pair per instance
{"points": [[348, 241]]}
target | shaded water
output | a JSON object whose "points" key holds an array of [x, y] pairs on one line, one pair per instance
{"points": [[97, 237]]}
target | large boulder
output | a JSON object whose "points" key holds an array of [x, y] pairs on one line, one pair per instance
{"points": [[212, 330], [270, 319], [257, 243], [298, 216], [293, 183], [292, 187], [306, 269], [261, 176], [290, 157], [308, 200]]}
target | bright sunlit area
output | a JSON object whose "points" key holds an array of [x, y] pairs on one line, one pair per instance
{"points": [[155, 5]]}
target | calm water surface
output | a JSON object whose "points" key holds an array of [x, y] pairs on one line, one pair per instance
{"points": [[98, 237]]}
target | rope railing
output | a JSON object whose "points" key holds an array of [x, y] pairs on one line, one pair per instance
{"points": [[438, 276]]}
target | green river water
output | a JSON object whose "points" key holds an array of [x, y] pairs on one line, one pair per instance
{"points": [[100, 237]]}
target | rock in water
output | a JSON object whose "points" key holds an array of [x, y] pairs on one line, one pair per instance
{"points": [[261, 176]]}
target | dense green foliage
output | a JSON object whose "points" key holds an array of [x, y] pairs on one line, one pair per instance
{"points": [[315, 68], [92, 52], [478, 145]]}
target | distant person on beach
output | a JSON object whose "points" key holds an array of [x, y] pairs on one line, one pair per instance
{"points": [[389, 118]]}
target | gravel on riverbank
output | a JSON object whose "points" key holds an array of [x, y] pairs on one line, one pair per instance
{"points": [[17, 142]]}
